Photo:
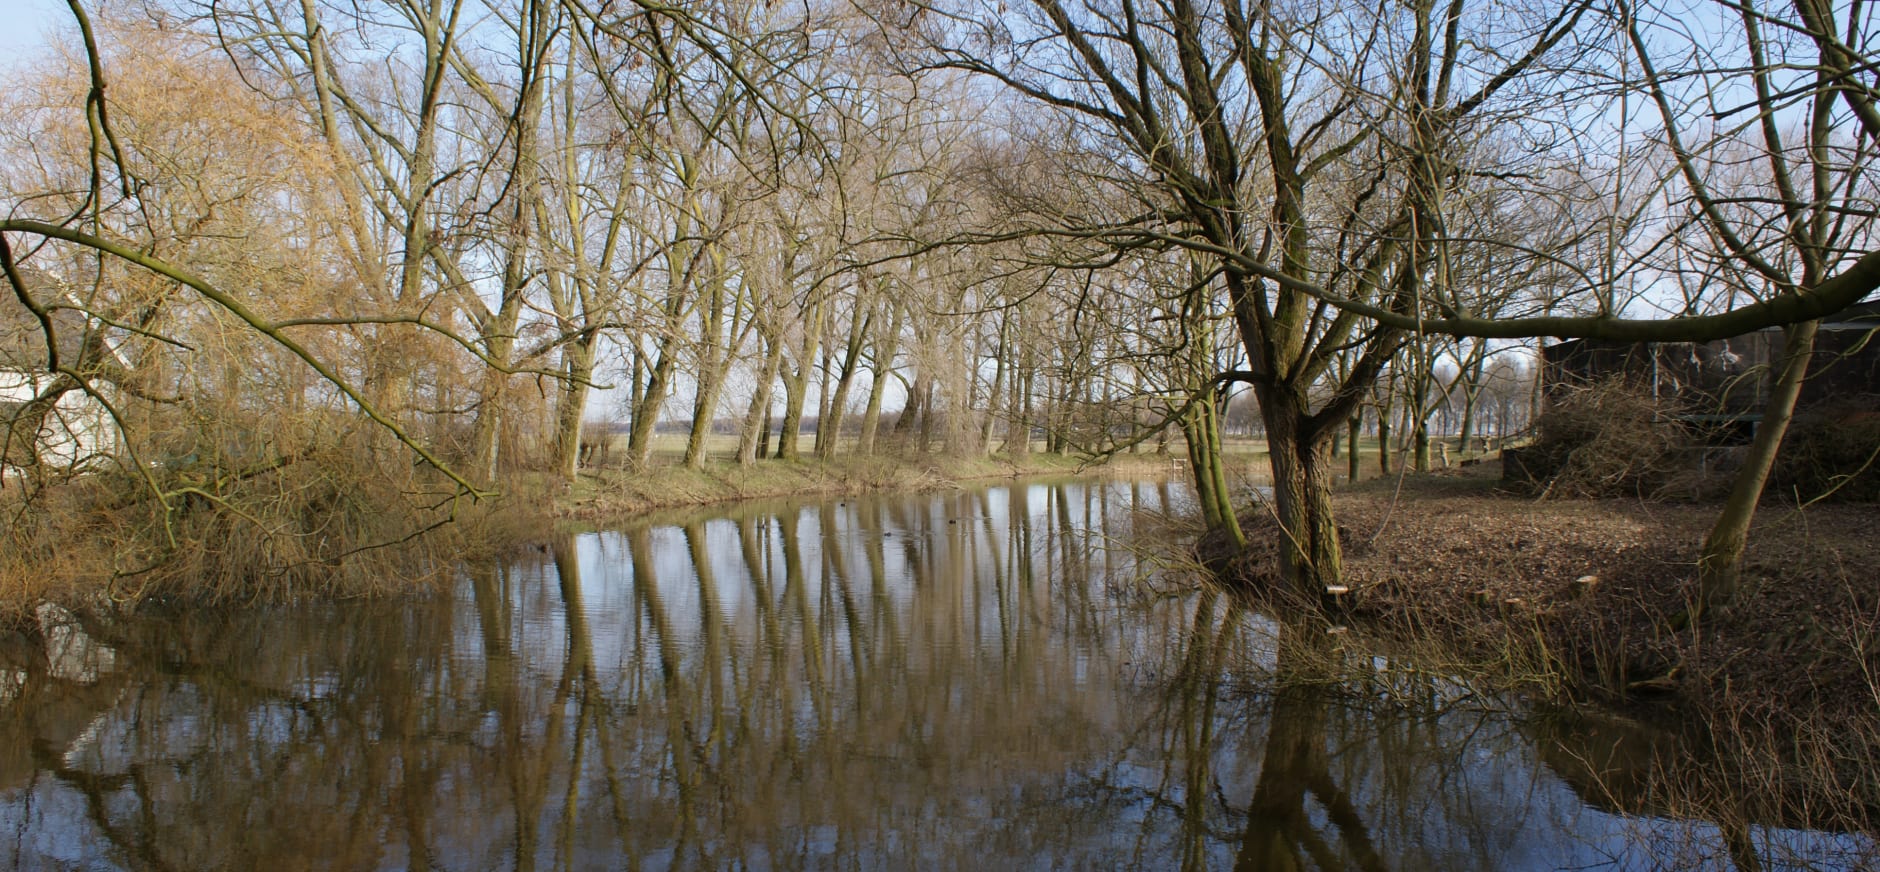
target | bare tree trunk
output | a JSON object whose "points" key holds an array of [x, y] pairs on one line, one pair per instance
{"points": [[646, 412], [578, 366], [1310, 557], [885, 351], [825, 372], [1018, 441], [1352, 426], [756, 429], [995, 396], [1201, 428], [829, 429], [1719, 568], [796, 385], [499, 334], [795, 392], [715, 355], [1383, 431], [704, 415], [1471, 393], [914, 412], [924, 435]]}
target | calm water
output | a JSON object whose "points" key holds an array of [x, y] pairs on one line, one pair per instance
{"points": [[974, 680]]}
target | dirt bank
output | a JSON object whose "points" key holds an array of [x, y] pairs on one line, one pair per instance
{"points": [[1497, 577]]}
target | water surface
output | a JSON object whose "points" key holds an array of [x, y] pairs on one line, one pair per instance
{"points": [[985, 680]]}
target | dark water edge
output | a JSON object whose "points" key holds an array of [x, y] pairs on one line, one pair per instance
{"points": [[984, 679]]}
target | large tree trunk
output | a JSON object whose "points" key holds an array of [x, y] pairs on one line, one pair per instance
{"points": [[796, 385], [646, 412], [704, 413], [871, 414], [757, 418], [1719, 568], [829, 429], [924, 434], [579, 367], [907, 427], [499, 333], [885, 350], [1302, 493], [714, 359], [499, 342], [795, 391]]}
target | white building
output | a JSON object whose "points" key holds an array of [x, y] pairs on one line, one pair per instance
{"points": [[76, 432]]}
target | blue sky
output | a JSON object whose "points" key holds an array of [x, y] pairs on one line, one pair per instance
{"points": [[27, 25]]}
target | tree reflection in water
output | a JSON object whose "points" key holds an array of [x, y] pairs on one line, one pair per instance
{"points": [[968, 679]]}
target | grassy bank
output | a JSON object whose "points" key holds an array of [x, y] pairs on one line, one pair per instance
{"points": [[611, 493], [1586, 601], [347, 529]]}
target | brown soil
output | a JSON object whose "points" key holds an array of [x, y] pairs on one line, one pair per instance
{"points": [[1492, 576]]}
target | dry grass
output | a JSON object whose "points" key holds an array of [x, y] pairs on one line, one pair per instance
{"points": [[609, 493], [1785, 686], [341, 518]]}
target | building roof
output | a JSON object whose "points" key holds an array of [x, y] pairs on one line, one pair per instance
{"points": [[1860, 316]]}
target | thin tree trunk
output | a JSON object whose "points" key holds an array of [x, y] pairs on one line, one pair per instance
{"points": [[1021, 404], [829, 429], [1352, 426], [1719, 568], [995, 397], [1201, 429], [824, 397], [1383, 433]]}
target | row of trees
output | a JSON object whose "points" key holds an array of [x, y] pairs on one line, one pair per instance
{"points": [[468, 216], [1353, 181], [443, 223]]}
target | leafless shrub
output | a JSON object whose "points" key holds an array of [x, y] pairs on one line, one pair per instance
{"points": [[299, 509], [1611, 438]]}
